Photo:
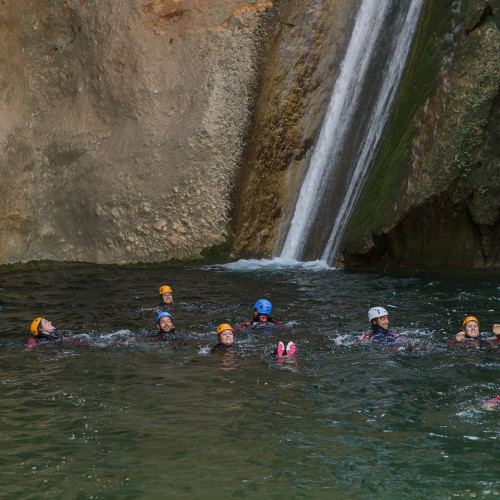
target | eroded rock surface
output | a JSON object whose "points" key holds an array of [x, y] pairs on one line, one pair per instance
{"points": [[122, 125]]}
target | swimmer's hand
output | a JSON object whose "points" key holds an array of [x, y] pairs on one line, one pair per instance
{"points": [[460, 336], [496, 329]]}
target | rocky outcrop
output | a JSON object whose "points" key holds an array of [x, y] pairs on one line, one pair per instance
{"points": [[433, 196], [122, 125]]}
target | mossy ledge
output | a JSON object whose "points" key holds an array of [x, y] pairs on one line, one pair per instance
{"points": [[217, 254]]}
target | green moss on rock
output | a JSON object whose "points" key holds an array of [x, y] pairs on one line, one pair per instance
{"points": [[441, 149]]}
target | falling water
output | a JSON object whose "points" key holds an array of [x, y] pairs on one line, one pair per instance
{"points": [[359, 107]]}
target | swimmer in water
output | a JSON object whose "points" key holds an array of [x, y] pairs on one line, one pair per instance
{"points": [[226, 339], [469, 335], [165, 325], [166, 296], [379, 320], [261, 315], [43, 334], [166, 330]]}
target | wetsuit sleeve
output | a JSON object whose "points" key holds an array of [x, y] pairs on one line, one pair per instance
{"points": [[73, 341], [277, 322], [243, 325], [31, 343]]}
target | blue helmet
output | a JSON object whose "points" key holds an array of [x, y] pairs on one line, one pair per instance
{"points": [[263, 306], [161, 315]]}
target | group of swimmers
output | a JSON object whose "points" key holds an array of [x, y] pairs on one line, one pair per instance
{"points": [[469, 335], [42, 330]]}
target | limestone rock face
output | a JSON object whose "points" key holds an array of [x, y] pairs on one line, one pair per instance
{"points": [[125, 126], [122, 125]]}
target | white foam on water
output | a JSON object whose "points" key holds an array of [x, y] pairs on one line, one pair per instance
{"points": [[277, 263]]}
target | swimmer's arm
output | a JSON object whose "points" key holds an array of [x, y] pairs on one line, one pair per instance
{"points": [[243, 325], [73, 341], [31, 343], [460, 336], [364, 340]]}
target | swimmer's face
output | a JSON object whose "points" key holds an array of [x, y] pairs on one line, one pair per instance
{"points": [[47, 326], [167, 298], [471, 328], [166, 324], [383, 321], [226, 337]]}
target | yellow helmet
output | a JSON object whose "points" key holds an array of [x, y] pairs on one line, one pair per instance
{"points": [[165, 289], [222, 327], [470, 318], [34, 325]]}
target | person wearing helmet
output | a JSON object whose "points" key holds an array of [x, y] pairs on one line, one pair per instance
{"points": [[470, 335], [379, 320], [166, 330], [226, 339], [261, 314], [166, 295], [43, 334], [165, 324]]}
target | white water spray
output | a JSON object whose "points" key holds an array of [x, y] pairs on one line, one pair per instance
{"points": [[341, 122]]}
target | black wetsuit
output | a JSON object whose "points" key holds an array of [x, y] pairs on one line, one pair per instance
{"points": [[162, 337], [467, 340], [220, 347], [42, 340], [381, 335], [255, 321]]}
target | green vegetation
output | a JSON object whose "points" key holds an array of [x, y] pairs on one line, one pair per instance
{"points": [[468, 146]]}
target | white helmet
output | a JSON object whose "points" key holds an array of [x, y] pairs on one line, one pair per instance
{"points": [[376, 312]]}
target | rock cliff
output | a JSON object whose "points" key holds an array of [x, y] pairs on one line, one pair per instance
{"points": [[146, 130], [122, 125]]}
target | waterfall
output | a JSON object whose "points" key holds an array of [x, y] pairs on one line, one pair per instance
{"points": [[359, 107]]}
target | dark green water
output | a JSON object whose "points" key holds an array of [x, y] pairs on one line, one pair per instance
{"points": [[125, 419]]}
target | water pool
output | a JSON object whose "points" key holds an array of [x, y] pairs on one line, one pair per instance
{"points": [[119, 418]]}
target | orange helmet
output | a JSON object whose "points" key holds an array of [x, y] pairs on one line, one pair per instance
{"points": [[34, 325], [165, 289], [470, 318], [222, 327]]}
